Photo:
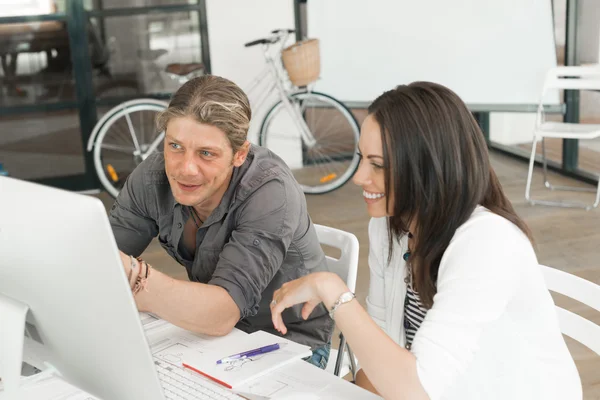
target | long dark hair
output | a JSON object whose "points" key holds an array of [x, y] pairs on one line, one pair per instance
{"points": [[437, 168]]}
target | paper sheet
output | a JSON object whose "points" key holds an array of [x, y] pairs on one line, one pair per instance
{"points": [[168, 341], [151, 322], [302, 380], [239, 371], [286, 382]]}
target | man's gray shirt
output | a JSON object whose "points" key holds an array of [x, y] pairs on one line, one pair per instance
{"points": [[259, 237]]}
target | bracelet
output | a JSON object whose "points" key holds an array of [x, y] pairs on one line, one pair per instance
{"points": [[141, 281], [141, 263], [132, 277], [343, 299], [130, 270]]}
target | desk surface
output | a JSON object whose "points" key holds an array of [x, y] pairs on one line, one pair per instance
{"points": [[298, 380]]}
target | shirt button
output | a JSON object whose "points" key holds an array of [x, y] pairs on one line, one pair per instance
{"points": [[179, 225], [256, 242]]}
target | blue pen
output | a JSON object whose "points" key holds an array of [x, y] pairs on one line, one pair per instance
{"points": [[250, 353]]}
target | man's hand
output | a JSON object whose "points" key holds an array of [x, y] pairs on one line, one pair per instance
{"points": [[177, 301]]}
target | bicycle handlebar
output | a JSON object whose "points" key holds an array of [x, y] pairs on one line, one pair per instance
{"points": [[283, 31], [262, 41], [278, 35]]}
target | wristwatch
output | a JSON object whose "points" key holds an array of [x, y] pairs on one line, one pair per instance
{"points": [[343, 299]]}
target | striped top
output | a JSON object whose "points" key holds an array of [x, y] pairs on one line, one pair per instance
{"points": [[414, 312]]}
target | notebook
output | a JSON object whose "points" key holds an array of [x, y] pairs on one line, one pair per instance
{"points": [[238, 372]]}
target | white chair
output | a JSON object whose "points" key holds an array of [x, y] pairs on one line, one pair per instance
{"points": [[347, 268], [586, 292], [565, 78]]}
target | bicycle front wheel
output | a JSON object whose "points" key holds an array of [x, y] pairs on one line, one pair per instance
{"points": [[327, 159], [125, 139]]}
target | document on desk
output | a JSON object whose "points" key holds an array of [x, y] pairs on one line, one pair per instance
{"points": [[296, 380], [168, 342], [302, 380], [237, 360], [151, 322], [286, 382]]}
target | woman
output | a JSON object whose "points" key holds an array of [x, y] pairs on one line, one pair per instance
{"points": [[457, 306]]}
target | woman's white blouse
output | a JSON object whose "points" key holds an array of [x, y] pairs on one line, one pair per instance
{"points": [[492, 332]]}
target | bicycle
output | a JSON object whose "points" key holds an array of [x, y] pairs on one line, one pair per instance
{"points": [[314, 133]]}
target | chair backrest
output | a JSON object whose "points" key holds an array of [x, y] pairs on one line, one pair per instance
{"points": [[347, 265], [573, 77], [586, 292], [567, 77]]}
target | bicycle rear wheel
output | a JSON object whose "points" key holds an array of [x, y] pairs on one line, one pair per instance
{"points": [[332, 160], [125, 139]]}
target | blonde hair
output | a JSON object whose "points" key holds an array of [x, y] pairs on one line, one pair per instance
{"points": [[215, 101]]}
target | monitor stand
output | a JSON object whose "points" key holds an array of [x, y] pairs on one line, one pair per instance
{"points": [[12, 334]]}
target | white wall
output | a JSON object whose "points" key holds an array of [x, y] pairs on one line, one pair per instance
{"points": [[588, 43], [231, 23], [512, 128], [588, 31], [560, 13]]}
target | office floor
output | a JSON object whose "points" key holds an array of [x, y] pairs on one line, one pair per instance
{"points": [[566, 239]]}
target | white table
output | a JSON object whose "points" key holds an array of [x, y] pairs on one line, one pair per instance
{"points": [[298, 380]]}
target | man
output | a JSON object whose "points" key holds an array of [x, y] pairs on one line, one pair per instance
{"points": [[230, 212]]}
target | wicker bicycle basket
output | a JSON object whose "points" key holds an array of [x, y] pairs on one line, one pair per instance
{"points": [[302, 61]]}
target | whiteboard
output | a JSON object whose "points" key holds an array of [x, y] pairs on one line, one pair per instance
{"points": [[488, 51]]}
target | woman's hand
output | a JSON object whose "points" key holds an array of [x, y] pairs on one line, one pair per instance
{"points": [[311, 290]]}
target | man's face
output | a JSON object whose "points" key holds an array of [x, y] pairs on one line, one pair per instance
{"points": [[199, 162]]}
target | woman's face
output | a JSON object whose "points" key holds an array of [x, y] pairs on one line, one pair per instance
{"points": [[370, 174]]}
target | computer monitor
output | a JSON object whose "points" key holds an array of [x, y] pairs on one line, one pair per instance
{"points": [[59, 257]]}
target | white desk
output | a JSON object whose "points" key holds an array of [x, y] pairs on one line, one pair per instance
{"points": [[298, 380]]}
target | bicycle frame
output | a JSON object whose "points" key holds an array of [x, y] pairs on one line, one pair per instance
{"points": [[273, 70]]}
